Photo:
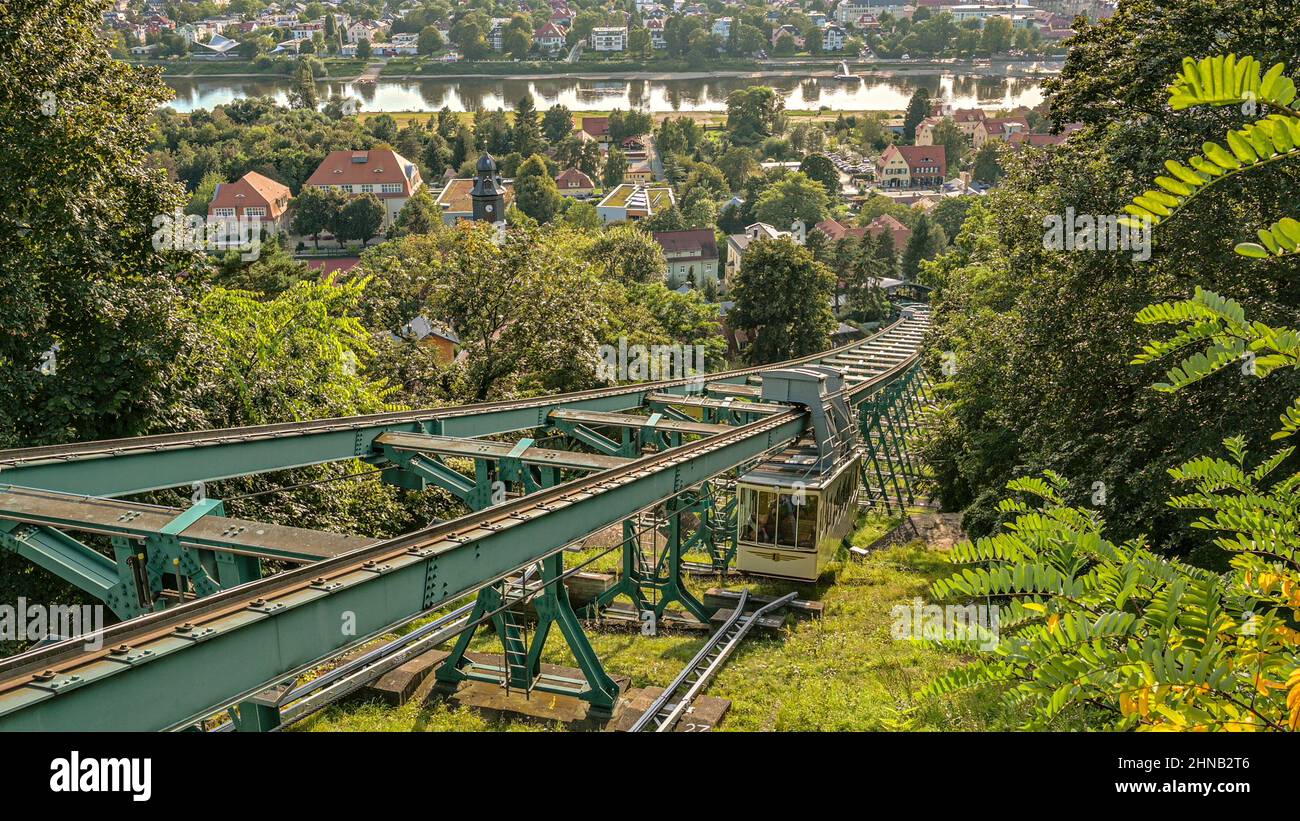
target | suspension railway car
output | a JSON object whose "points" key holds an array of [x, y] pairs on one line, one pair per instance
{"points": [[791, 520]]}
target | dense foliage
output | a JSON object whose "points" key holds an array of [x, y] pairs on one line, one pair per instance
{"points": [[1041, 339]]}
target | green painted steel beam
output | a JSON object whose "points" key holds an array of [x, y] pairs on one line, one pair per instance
{"points": [[197, 658], [125, 466], [63, 556]]}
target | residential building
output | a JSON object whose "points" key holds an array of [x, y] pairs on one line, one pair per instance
{"points": [[550, 38], [252, 195], [365, 30], [575, 183], [722, 27], [833, 38], [737, 244], [640, 173], [630, 202], [912, 166], [998, 129], [380, 171], [597, 128], [656, 33], [609, 38], [692, 256]]}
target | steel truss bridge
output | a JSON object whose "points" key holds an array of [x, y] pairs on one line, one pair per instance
{"points": [[203, 630]]}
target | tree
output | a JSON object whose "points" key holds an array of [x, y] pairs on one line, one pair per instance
{"points": [[754, 114], [615, 168], [363, 49], [315, 210], [784, 296], [707, 179], [638, 42], [950, 214], [795, 197], [303, 93], [360, 219], [78, 265], [949, 135], [1040, 337], [535, 191], [996, 37], [518, 37], [582, 216], [557, 124], [627, 254], [526, 135], [820, 168], [430, 41], [420, 214], [918, 108], [926, 241], [738, 164], [987, 166]]}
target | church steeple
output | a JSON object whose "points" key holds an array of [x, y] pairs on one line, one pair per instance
{"points": [[488, 194]]}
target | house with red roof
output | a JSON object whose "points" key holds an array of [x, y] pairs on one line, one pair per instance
{"points": [[597, 128], [998, 129], [252, 195], [550, 37], [912, 166], [575, 183], [692, 256], [380, 171]]}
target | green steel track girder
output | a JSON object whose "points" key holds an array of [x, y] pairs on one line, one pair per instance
{"points": [[75, 563], [197, 658]]}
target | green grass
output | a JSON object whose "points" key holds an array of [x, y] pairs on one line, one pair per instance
{"points": [[844, 672]]}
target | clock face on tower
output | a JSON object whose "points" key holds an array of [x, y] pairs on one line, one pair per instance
{"points": [[488, 208]]}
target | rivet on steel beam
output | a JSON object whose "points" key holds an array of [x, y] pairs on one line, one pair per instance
{"points": [[185, 628], [46, 675], [120, 650]]}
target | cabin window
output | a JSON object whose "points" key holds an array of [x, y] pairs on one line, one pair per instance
{"points": [[806, 528]]}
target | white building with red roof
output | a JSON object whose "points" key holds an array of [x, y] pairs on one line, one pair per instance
{"points": [[912, 166], [381, 171]]}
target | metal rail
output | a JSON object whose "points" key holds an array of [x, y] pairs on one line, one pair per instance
{"points": [[116, 467], [444, 562], [663, 713]]}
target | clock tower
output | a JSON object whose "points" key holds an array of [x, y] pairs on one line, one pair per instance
{"points": [[488, 194]]}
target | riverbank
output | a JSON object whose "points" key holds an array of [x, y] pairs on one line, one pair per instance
{"points": [[402, 68]]}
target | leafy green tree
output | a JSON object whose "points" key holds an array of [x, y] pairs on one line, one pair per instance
{"points": [[950, 136], [784, 296], [627, 254], [363, 49], [582, 216], [361, 218], [987, 167], [794, 197], [918, 108], [315, 210], [535, 191], [557, 124], [526, 134], [420, 214], [430, 41], [78, 267], [820, 168], [926, 241], [615, 168], [303, 92], [738, 164], [754, 114]]}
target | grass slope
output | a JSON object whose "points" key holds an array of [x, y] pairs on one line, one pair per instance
{"points": [[844, 672]]}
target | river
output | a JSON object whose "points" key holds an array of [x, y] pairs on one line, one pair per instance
{"points": [[882, 91]]}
